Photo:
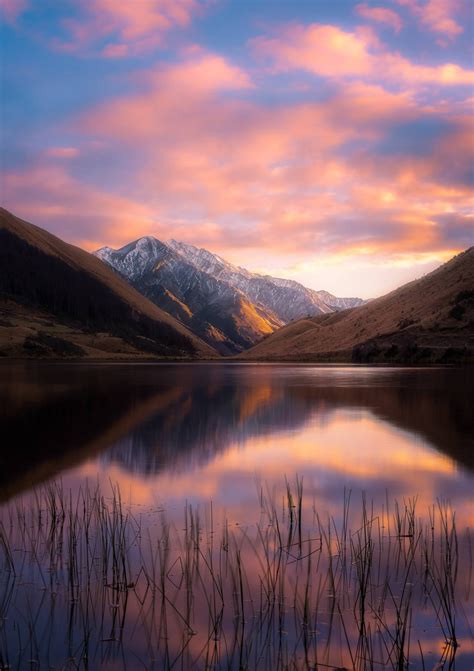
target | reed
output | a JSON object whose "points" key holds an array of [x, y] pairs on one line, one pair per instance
{"points": [[87, 583]]}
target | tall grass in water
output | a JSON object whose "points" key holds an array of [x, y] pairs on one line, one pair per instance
{"points": [[86, 583]]}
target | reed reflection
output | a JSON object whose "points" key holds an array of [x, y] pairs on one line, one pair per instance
{"points": [[224, 516], [105, 587]]}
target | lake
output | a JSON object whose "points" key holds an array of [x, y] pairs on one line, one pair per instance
{"points": [[235, 516]]}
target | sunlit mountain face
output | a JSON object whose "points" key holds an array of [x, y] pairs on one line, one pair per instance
{"points": [[324, 142], [226, 305]]}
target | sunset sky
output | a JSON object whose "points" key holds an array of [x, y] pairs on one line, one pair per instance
{"points": [[327, 141]]}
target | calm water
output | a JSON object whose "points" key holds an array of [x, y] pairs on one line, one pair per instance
{"points": [[211, 450]]}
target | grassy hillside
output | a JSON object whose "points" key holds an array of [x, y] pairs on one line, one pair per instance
{"points": [[427, 320], [58, 300]]}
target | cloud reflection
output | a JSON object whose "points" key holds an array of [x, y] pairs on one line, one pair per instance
{"points": [[206, 431]]}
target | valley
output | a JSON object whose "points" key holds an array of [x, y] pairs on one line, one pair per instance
{"points": [[157, 300]]}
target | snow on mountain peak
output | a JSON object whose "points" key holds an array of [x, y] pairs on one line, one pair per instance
{"points": [[215, 290]]}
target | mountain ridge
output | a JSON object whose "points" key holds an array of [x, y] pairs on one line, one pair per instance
{"points": [[57, 300], [329, 300], [228, 306], [217, 312]]}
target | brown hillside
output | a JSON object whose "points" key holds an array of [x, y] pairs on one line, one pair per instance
{"points": [[58, 300], [430, 319]]}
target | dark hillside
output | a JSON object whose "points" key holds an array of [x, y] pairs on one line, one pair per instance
{"points": [[72, 288], [429, 320]]}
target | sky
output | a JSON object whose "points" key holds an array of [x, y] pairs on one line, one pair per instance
{"points": [[326, 141]]}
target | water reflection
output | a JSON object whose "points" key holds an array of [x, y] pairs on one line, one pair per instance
{"points": [[149, 418], [174, 435]]}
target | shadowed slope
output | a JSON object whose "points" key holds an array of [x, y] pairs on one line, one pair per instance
{"points": [[430, 319], [58, 300]]}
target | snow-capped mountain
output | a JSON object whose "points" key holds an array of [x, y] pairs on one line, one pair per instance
{"points": [[286, 298], [226, 305], [220, 312]]}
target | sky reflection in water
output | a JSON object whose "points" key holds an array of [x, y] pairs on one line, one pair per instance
{"points": [[175, 434], [171, 433]]}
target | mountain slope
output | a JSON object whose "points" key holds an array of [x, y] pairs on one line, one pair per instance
{"points": [[286, 298], [228, 306], [58, 300], [212, 308], [430, 319]]}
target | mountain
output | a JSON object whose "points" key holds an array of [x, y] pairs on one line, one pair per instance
{"points": [[58, 300], [227, 306], [288, 299], [210, 307], [430, 319]]}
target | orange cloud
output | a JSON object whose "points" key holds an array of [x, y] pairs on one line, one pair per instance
{"points": [[380, 15]]}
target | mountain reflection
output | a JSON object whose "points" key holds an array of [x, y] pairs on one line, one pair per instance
{"points": [[153, 417]]}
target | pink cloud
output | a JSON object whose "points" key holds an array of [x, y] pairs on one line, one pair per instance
{"points": [[371, 106], [197, 153], [380, 15], [323, 49], [400, 69], [62, 152], [188, 129], [278, 177], [213, 165], [175, 93], [201, 71], [437, 16], [329, 51], [47, 195], [10, 10], [128, 27], [115, 50]]}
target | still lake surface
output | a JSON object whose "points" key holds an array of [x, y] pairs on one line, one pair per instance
{"points": [[222, 448]]}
